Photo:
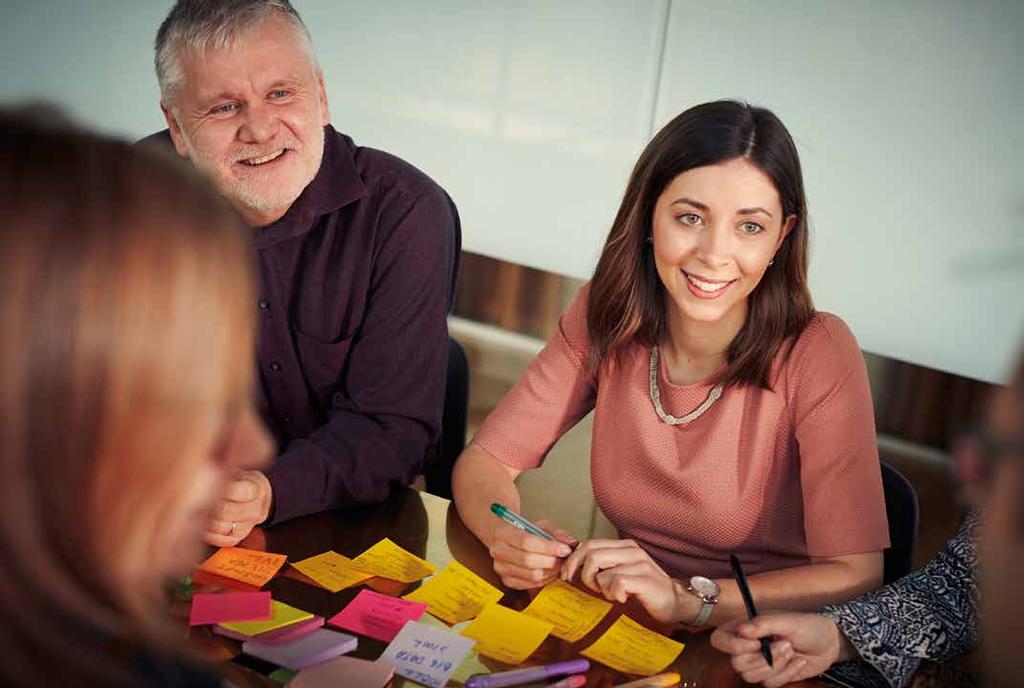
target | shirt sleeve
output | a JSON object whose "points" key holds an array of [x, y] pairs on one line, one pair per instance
{"points": [[386, 411], [554, 393], [929, 614], [840, 474]]}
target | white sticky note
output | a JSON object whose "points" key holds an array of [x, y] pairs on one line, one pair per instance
{"points": [[426, 654]]}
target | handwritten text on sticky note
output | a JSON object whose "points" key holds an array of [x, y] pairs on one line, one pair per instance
{"points": [[246, 565], [572, 612], [377, 616], [632, 649], [426, 654], [332, 570], [388, 560], [456, 594]]}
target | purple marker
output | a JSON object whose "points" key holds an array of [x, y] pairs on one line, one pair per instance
{"points": [[520, 676]]}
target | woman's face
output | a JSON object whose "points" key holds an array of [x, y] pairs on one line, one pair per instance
{"points": [[715, 229], [240, 443]]}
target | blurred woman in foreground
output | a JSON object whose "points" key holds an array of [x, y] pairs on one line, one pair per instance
{"points": [[127, 338]]}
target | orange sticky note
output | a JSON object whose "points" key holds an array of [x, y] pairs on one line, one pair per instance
{"points": [[332, 571], [246, 565]]}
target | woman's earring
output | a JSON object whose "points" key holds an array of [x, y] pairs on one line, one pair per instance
{"points": [[650, 239], [770, 262]]}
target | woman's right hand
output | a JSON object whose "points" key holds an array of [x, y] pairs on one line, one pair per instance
{"points": [[525, 561], [803, 646]]}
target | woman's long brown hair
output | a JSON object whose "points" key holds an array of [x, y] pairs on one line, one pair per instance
{"points": [[626, 303], [126, 334]]}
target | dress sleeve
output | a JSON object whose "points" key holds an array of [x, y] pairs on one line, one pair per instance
{"points": [[554, 393], [928, 614], [840, 475]]}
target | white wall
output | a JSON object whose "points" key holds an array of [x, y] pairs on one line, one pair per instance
{"points": [[531, 114]]}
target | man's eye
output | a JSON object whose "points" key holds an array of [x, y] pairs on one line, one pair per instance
{"points": [[278, 94], [226, 108]]}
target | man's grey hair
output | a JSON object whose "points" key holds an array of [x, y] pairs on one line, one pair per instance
{"points": [[195, 26]]}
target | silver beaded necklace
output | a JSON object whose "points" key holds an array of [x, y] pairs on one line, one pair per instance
{"points": [[693, 415]]}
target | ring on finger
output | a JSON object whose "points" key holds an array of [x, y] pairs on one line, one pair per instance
{"points": [[232, 531]]}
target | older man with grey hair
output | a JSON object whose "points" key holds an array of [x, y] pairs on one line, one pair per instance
{"points": [[357, 256]]}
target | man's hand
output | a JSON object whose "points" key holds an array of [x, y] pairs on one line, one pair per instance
{"points": [[246, 504]]}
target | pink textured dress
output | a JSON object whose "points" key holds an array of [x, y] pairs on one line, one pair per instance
{"points": [[775, 476]]}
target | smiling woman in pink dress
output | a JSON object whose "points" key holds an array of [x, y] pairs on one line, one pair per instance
{"points": [[730, 416]]}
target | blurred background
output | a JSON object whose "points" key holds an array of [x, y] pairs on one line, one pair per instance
{"points": [[531, 114]]}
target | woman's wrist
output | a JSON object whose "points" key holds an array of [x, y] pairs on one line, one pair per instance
{"points": [[687, 606]]}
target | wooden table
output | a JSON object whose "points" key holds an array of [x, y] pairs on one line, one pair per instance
{"points": [[430, 527]]}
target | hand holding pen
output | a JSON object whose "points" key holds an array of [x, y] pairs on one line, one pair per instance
{"points": [[526, 554], [748, 601]]}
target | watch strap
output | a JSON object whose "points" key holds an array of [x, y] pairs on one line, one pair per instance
{"points": [[704, 614]]}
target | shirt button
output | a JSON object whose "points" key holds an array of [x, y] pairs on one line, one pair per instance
{"points": [[275, 366], [287, 419], [264, 304]]}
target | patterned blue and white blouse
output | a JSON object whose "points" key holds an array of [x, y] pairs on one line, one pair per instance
{"points": [[929, 614]]}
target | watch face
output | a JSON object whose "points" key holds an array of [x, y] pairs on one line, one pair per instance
{"points": [[705, 586]]}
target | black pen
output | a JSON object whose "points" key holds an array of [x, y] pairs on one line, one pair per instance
{"points": [[741, 580]]}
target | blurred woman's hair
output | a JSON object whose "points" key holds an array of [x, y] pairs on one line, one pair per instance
{"points": [[126, 337]]}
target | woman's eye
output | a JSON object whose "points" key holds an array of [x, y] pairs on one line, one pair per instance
{"points": [[751, 228], [690, 219]]}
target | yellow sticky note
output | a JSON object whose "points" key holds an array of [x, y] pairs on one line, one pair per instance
{"points": [[456, 594], [332, 570], [281, 615], [505, 634], [388, 560], [572, 612], [246, 565], [632, 649]]}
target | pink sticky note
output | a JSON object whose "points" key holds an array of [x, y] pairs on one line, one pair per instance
{"points": [[232, 606], [377, 616]]}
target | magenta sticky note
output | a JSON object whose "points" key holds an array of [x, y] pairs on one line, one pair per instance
{"points": [[229, 606], [377, 616]]}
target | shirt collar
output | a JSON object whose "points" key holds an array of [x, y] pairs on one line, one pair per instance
{"points": [[336, 184]]}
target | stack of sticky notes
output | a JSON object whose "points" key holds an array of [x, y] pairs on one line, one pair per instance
{"points": [[319, 646], [282, 616]]}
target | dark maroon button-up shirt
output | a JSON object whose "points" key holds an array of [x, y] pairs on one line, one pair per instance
{"points": [[357, 280]]}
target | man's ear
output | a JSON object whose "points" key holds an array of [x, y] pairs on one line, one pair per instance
{"points": [[175, 129], [325, 109]]}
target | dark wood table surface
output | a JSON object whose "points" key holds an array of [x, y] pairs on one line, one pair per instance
{"points": [[429, 527]]}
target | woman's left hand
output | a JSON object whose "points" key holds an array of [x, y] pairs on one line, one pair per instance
{"points": [[619, 569]]}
